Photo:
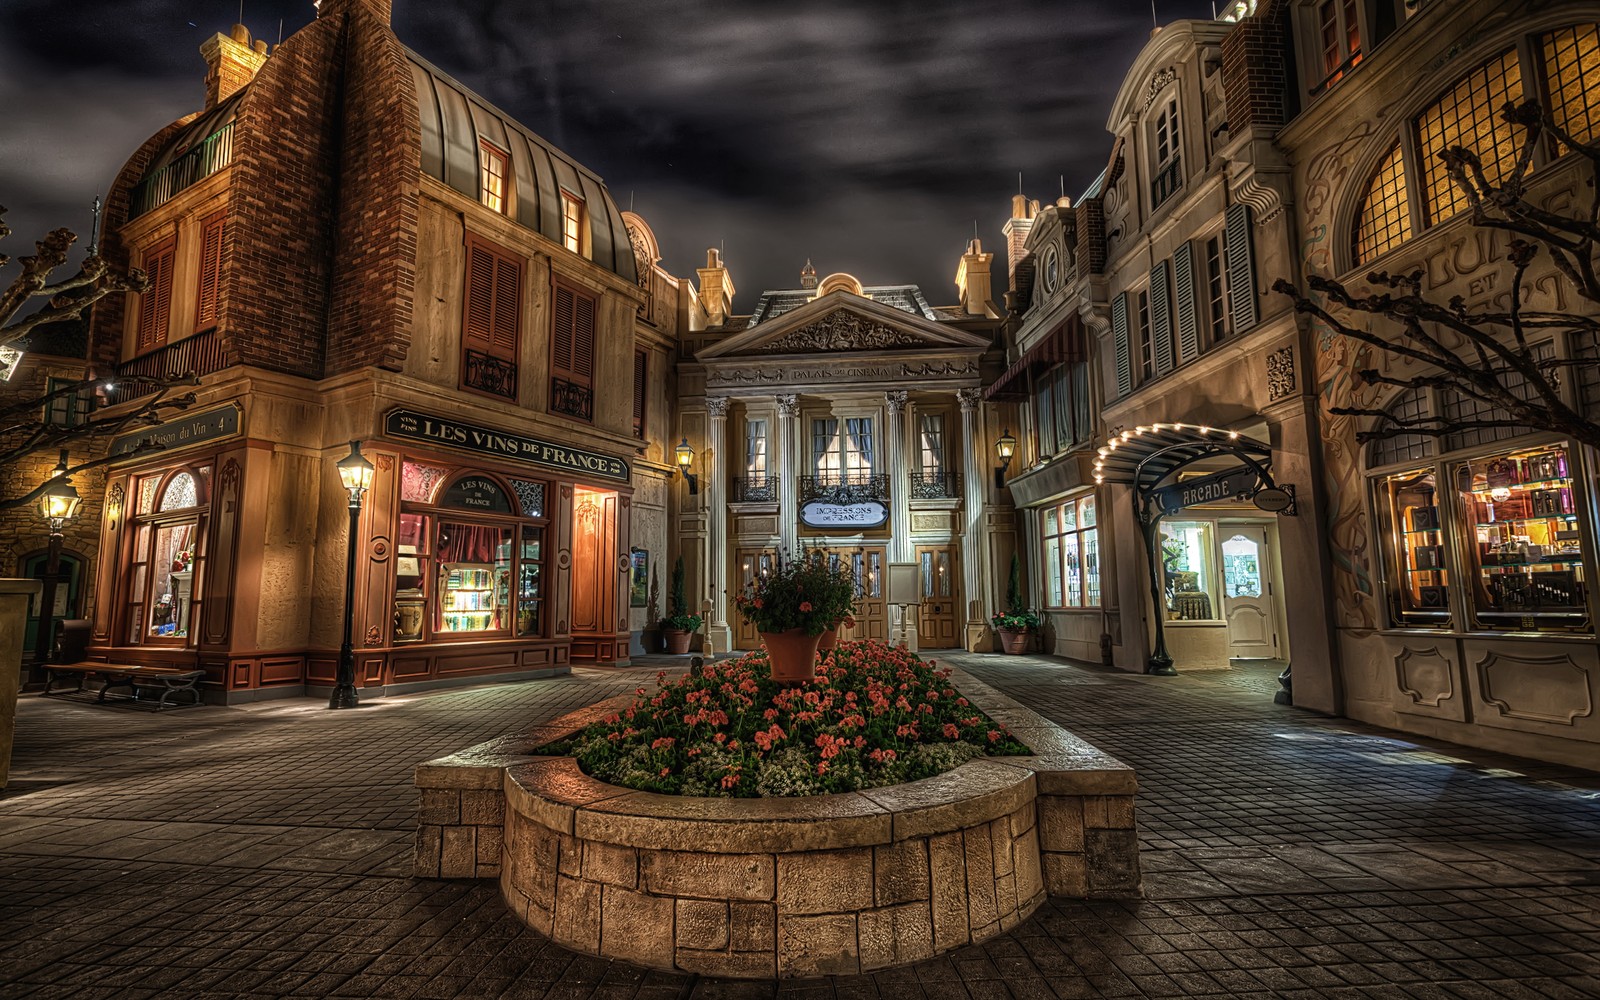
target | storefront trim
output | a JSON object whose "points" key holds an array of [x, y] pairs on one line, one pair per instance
{"points": [[409, 425]]}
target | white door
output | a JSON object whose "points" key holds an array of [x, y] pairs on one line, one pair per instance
{"points": [[1247, 587]]}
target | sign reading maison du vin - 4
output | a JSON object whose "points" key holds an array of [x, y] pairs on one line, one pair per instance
{"points": [[865, 514], [191, 428], [415, 426], [1224, 486]]}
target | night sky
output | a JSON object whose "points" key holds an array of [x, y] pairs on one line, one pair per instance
{"points": [[868, 135]]}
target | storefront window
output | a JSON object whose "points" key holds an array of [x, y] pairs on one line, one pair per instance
{"points": [[1189, 576], [1414, 549], [530, 592], [166, 556], [474, 578], [1072, 555], [1526, 563]]}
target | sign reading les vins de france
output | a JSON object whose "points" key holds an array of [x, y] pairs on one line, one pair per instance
{"points": [[503, 444]]}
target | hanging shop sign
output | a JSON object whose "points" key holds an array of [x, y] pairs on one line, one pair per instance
{"points": [[1223, 486], [477, 493], [866, 514], [192, 428], [431, 429]]}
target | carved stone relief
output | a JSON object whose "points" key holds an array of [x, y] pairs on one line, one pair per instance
{"points": [[1280, 373], [1425, 676], [842, 331], [1551, 689], [1159, 81]]}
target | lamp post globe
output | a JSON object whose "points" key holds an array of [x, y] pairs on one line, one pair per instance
{"points": [[58, 504], [355, 475], [1004, 448]]}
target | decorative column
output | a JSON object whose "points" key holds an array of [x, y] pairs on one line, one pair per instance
{"points": [[788, 473], [899, 478], [974, 554], [718, 635]]}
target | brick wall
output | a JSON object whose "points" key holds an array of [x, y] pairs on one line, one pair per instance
{"points": [[1091, 236], [1255, 69]]}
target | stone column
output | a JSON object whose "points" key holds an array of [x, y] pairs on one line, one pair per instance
{"points": [[899, 477], [788, 473], [718, 635], [974, 547]]}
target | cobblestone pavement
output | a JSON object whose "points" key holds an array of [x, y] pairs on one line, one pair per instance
{"points": [[262, 851]]}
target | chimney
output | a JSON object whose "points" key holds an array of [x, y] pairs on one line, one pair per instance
{"points": [[808, 275], [383, 10], [716, 289], [973, 282], [231, 62], [1016, 232]]}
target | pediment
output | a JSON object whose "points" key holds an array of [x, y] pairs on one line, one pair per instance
{"points": [[842, 323]]}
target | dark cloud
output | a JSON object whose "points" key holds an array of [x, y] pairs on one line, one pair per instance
{"points": [[866, 136]]}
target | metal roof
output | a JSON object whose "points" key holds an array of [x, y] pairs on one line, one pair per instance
{"points": [[774, 302], [1147, 455]]}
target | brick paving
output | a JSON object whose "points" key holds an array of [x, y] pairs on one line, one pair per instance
{"points": [[263, 851]]}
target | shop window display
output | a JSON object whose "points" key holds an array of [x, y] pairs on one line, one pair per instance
{"points": [[1188, 574], [166, 556], [474, 577], [1072, 554], [1414, 558]]}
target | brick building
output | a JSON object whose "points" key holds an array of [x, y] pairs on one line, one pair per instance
{"points": [[347, 245]]}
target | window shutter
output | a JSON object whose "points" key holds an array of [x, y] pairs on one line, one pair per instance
{"points": [[213, 233], [641, 369], [1161, 316], [1241, 268], [478, 322], [583, 339], [506, 318], [1119, 333], [155, 307], [1183, 293], [561, 335]]}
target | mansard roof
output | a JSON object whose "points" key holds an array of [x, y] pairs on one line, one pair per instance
{"points": [[906, 298]]}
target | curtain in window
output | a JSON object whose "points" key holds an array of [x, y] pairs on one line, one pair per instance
{"points": [[755, 449], [930, 426], [858, 460], [825, 447]]}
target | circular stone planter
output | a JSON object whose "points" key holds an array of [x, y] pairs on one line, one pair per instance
{"points": [[787, 887]]}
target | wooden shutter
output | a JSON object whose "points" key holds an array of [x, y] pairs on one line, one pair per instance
{"points": [[572, 340], [1241, 268], [1161, 316], [506, 318], [1119, 335], [1183, 295], [155, 305], [492, 316], [561, 334], [641, 371], [213, 235]]}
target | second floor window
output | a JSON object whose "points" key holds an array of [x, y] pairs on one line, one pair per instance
{"points": [[572, 222], [70, 408], [1147, 346], [1165, 171], [641, 387], [1339, 34], [213, 236], [1469, 116], [930, 439], [1218, 310], [492, 175], [755, 449], [842, 449], [155, 303], [572, 354], [492, 319]]}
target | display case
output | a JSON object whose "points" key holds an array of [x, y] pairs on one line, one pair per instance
{"points": [[1418, 581], [530, 594], [1527, 552], [471, 599], [410, 601]]}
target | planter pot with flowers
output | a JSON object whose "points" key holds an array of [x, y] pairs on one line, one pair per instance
{"points": [[680, 626], [1014, 627], [808, 595]]}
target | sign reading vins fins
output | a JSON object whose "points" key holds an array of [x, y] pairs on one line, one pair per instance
{"points": [[424, 427]]}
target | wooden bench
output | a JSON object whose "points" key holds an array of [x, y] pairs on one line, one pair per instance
{"points": [[170, 679]]}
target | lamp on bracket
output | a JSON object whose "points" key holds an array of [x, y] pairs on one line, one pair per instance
{"points": [[1004, 448], [685, 456]]}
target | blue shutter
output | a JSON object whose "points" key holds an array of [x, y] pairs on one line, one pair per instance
{"points": [[1183, 293], [1161, 316], [1119, 333], [1241, 268]]}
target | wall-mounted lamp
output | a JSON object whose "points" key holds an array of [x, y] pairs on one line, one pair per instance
{"points": [[685, 456], [1003, 450]]}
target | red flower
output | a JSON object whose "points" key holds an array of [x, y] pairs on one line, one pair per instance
{"points": [[805, 605], [756, 602]]}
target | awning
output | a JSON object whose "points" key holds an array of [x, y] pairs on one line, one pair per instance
{"points": [[1063, 345], [1147, 456]]}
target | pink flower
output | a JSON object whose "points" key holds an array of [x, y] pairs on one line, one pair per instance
{"points": [[805, 605]]}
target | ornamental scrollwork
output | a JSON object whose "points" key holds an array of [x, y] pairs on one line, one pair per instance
{"points": [[842, 332]]}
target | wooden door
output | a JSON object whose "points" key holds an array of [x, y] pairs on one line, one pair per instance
{"points": [[868, 566], [937, 616], [1247, 593], [752, 564]]}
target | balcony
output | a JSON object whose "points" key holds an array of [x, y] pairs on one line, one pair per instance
{"points": [[844, 488], [571, 399], [754, 489], [935, 486], [491, 375], [200, 354], [208, 156]]}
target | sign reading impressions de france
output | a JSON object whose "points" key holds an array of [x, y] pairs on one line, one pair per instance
{"points": [[431, 429], [865, 514], [1223, 486], [191, 428]]}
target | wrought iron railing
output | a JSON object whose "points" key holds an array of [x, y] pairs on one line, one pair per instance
{"points": [[208, 156], [200, 354], [935, 485], [755, 489], [571, 399], [1167, 180], [844, 488], [491, 375]]}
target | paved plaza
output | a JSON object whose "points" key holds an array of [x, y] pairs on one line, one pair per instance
{"points": [[265, 850]]}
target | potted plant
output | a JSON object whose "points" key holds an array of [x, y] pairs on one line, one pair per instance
{"points": [[1016, 621], [677, 627], [792, 607]]}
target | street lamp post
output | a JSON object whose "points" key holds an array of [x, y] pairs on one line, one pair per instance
{"points": [[355, 473], [57, 504], [1003, 450]]}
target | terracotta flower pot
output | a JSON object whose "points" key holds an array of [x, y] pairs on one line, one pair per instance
{"points": [[677, 640], [1014, 640], [828, 639], [793, 654]]}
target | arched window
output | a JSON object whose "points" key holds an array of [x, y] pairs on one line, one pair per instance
{"points": [[1469, 116], [166, 555], [1411, 404], [1572, 71], [1384, 221]]}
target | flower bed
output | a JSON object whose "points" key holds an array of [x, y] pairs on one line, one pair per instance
{"points": [[874, 716]]}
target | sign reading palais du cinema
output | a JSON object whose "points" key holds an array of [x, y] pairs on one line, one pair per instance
{"points": [[503, 444]]}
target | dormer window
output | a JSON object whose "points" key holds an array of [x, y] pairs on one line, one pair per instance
{"points": [[572, 222], [1052, 271], [1339, 33], [492, 177], [1165, 172]]}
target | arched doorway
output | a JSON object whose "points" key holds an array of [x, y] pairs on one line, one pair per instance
{"points": [[69, 592]]}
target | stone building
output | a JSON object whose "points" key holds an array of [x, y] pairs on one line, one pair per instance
{"points": [[348, 246]]}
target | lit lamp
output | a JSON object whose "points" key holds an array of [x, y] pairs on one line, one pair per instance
{"points": [[1003, 450], [57, 505], [355, 474], [685, 456]]}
